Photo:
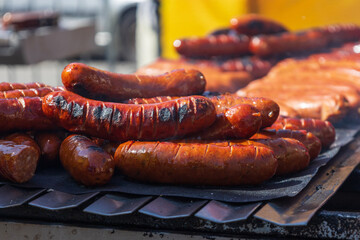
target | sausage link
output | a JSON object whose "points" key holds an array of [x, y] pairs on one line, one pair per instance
{"points": [[240, 121], [86, 162], [6, 86], [288, 42], [122, 122], [195, 163], [341, 33], [268, 109], [23, 114], [214, 45], [23, 139], [30, 92], [323, 130], [18, 162], [49, 143], [103, 85], [253, 24], [311, 142]]}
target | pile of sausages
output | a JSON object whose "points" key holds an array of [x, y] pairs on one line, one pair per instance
{"points": [[328, 84], [233, 57], [151, 128]]}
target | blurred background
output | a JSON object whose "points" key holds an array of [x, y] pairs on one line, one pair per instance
{"points": [[123, 35]]}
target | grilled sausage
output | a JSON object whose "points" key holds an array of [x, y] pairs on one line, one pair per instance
{"points": [[86, 162], [18, 162], [30, 92], [253, 24], [323, 130], [23, 139], [291, 154], [49, 143], [288, 42], [103, 85], [6, 86], [122, 122], [23, 114], [268, 109], [311, 142], [25, 20], [214, 45], [240, 121], [196, 164]]}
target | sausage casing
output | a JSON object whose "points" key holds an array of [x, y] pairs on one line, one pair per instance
{"points": [[6, 86], [311, 142], [268, 109], [103, 85], [23, 114], [122, 122], [253, 24], [196, 164], [30, 92], [18, 162], [323, 130], [86, 162]]}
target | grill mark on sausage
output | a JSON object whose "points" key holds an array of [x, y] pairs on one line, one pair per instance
{"points": [[164, 114], [142, 116]]}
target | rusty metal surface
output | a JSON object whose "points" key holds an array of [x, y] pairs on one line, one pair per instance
{"points": [[298, 210]]}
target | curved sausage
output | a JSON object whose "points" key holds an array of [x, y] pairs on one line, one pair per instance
{"points": [[268, 109], [122, 122], [196, 164], [18, 162], [30, 92], [323, 130], [311, 142], [86, 162], [240, 121], [103, 85], [253, 24], [6, 86], [23, 114], [288, 42], [214, 45], [341, 33]]}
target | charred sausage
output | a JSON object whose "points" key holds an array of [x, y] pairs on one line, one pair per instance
{"points": [[103, 85], [268, 109], [86, 162], [253, 24], [214, 45], [196, 164], [311, 142], [122, 122]]}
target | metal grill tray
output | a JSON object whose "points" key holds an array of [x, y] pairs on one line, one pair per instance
{"points": [[287, 186]]}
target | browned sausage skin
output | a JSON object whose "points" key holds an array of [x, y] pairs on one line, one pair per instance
{"points": [[49, 143], [23, 114], [122, 122], [86, 162], [197, 164], [311, 142], [240, 121], [30, 92], [18, 162], [253, 24], [103, 85], [6, 86], [23, 139], [324, 130], [268, 109], [214, 45]]}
